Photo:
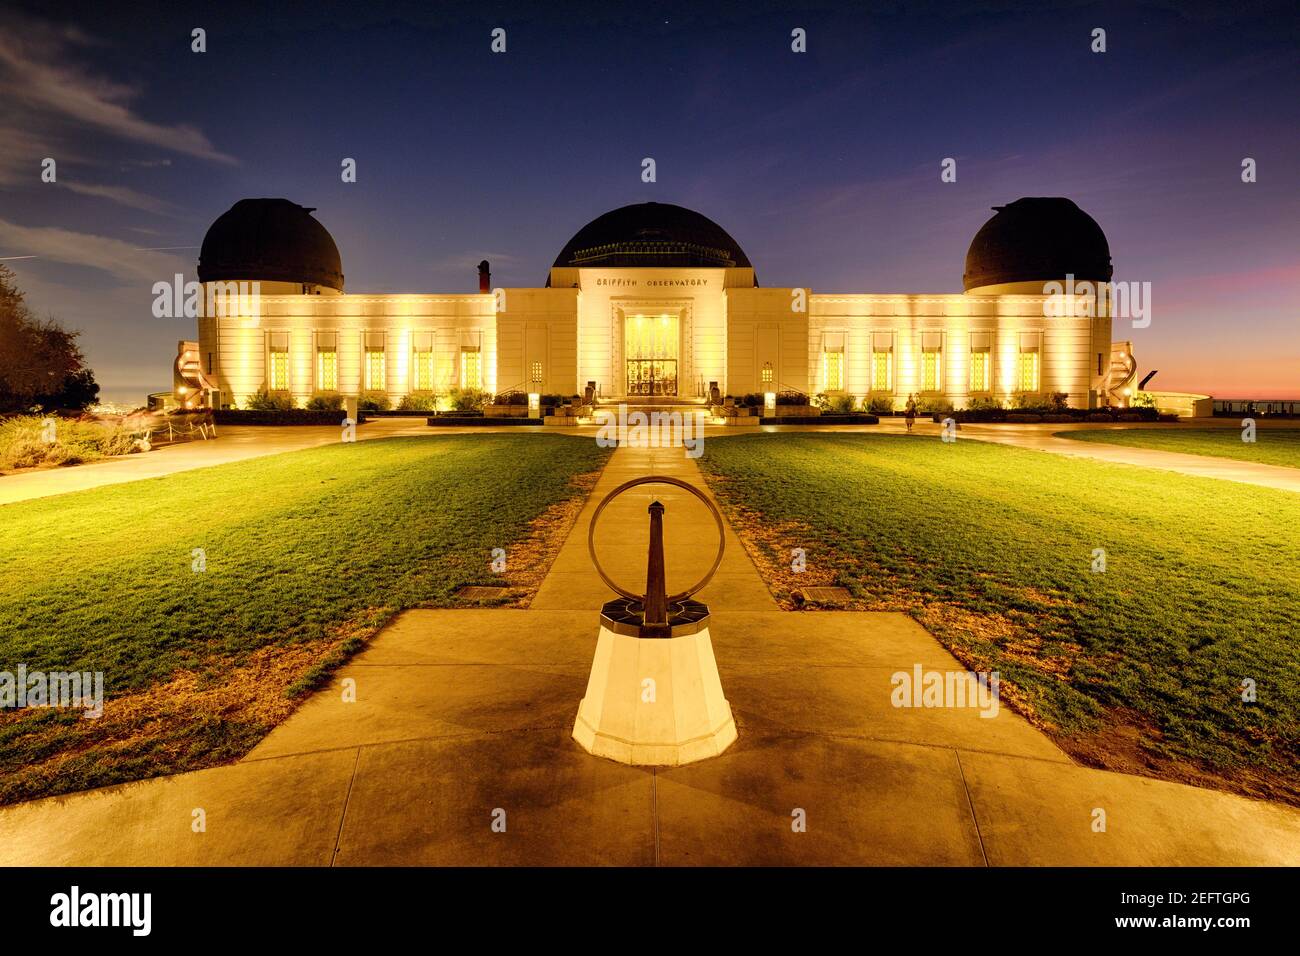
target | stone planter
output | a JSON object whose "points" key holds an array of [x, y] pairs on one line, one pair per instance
{"points": [[794, 411], [505, 411]]}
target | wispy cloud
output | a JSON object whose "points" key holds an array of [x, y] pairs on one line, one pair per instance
{"points": [[122, 195], [120, 259], [54, 104]]}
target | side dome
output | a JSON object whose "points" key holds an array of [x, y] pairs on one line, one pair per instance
{"points": [[1037, 240], [652, 234], [272, 240]]}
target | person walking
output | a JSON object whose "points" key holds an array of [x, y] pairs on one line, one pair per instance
{"points": [[910, 413]]}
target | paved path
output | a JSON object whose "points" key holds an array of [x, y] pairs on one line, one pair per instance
{"points": [[1041, 438], [238, 443], [460, 713], [234, 443]]}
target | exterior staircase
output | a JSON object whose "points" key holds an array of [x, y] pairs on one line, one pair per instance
{"points": [[1123, 370], [190, 386]]}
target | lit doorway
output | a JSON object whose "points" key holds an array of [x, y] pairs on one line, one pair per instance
{"points": [[650, 347]]}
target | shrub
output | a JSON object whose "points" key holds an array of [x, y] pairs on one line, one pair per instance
{"points": [[788, 398], [511, 398], [881, 406], [417, 403], [265, 402], [938, 404], [752, 400], [842, 405], [553, 400], [984, 405], [325, 403], [23, 444], [374, 401], [467, 399]]}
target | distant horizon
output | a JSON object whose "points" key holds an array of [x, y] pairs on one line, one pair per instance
{"points": [[824, 165]]}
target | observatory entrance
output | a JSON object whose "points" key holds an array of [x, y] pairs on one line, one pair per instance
{"points": [[651, 347]]}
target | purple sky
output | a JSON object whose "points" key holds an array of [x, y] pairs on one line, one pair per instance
{"points": [[824, 166]]}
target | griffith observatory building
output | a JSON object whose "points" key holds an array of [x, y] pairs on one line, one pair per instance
{"points": [[653, 299]]}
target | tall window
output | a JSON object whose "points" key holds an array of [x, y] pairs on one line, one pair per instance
{"points": [[882, 370], [765, 376], [1027, 372], [536, 373], [327, 370], [979, 370], [279, 370], [833, 370], [931, 361], [471, 368], [375, 370], [424, 370]]}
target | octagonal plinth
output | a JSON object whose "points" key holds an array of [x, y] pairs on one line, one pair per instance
{"points": [[654, 701]]}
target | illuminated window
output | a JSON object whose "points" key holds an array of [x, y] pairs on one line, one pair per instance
{"points": [[882, 371], [766, 374], [931, 380], [1027, 373], [537, 373], [424, 370], [327, 370], [375, 370], [979, 370], [279, 371], [471, 368], [833, 370]]}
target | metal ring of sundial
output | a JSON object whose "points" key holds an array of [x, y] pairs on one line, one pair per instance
{"points": [[660, 480]]}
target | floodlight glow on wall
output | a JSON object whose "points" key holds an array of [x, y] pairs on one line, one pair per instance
{"points": [[534, 401], [769, 400]]}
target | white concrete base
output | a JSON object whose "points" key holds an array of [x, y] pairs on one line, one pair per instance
{"points": [[679, 718]]}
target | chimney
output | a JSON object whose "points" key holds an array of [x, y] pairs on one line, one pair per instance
{"points": [[484, 277]]}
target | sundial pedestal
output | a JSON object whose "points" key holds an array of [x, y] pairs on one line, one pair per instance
{"points": [[654, 697]]}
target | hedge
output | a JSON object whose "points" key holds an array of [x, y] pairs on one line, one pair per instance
{"points": [[290, 416], [823, 419], [1054, 415]]}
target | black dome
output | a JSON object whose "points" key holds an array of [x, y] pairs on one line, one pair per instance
{"points": [[273, 240], [652, 234], [1037, 239]]}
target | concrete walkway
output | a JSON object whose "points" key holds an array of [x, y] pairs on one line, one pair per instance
{"points": [[239, 443], [234, 443], [1041, 438], [461, 714]]}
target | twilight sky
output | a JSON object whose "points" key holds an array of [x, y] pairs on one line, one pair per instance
{"points": [[824, 166]]}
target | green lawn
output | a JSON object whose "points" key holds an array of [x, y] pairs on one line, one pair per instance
{"points": [[1272, 446], [991, 547], [307, 554]]}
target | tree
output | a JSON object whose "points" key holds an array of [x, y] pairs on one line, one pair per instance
{"points": [[41, 363]]}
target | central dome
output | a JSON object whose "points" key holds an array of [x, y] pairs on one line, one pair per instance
{"points": [[652, 234]]}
